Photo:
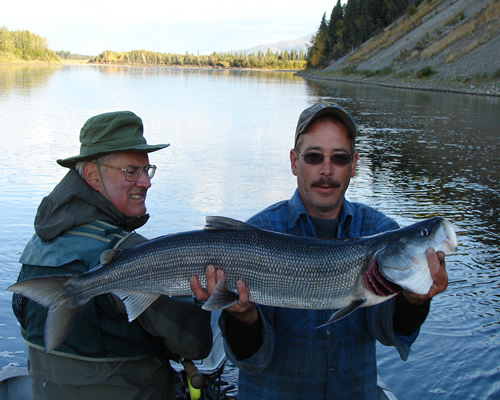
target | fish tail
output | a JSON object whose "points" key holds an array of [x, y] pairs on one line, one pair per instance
{"points": [[51, 292]]}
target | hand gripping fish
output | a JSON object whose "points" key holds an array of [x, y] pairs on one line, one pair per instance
{"points": [[278, 269]]}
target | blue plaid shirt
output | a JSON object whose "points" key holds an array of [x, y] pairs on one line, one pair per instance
{"points": [[298, 361]]}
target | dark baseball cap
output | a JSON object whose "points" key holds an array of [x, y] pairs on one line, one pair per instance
{"points": [[312, 113]]}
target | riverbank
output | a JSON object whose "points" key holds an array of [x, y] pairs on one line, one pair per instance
{"points": [[446, 46], [472, 86]]}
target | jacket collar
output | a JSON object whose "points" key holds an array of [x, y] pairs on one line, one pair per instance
{"points": [[298, 212], [73, 203]]}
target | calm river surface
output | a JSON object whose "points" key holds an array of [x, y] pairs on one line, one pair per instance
{"points": [[421, 154]]}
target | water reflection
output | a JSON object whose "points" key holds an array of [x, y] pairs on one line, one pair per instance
{"points": [[421, 154], [193, 73], [23, 79]]}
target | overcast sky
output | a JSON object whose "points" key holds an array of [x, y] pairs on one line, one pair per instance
{"points": [[89, 27]]}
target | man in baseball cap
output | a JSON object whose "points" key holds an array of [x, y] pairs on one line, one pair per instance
{"points": [[279, 351]]}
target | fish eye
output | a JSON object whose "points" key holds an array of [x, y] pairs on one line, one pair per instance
{"points": [[424, 232]]}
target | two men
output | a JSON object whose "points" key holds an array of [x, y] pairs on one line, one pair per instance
{"points": [[97, 206], [280, 352]]}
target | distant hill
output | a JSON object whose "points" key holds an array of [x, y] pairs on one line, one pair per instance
{"points": [[300, 44]]}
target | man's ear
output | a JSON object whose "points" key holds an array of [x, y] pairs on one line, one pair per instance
{"points": [[354, 164], [293, 161], [90, 176]]}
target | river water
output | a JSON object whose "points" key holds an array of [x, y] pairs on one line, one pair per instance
{"points": [[421, 154]]}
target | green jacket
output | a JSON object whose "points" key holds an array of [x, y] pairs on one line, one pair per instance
{"points": [[74, 225]]}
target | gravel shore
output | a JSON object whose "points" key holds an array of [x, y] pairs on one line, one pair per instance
{"points": [[435, 84]]}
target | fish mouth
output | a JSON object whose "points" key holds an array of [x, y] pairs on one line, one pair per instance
{"points": [[449, 232]]}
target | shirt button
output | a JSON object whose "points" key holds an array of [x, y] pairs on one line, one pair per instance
{"points": [[328, 333]]}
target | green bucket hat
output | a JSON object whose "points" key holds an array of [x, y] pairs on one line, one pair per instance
{"points": [[110, 133]]}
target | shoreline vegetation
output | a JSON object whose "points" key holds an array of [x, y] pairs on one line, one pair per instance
{"points": [[282, 60]]}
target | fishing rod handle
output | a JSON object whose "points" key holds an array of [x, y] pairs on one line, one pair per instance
{"points": [[196, 378]]}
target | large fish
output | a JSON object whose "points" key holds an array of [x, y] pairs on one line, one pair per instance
{"points": [[279, 270]]}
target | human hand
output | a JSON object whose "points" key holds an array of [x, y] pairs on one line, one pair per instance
{"points": [[437, 266], [244, 310]]}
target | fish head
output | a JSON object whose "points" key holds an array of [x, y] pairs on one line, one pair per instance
{"points": [[403, 261]]}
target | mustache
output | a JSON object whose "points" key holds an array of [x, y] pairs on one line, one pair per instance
{"points": [[326, 182]]}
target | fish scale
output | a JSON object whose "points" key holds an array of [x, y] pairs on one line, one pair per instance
{"points": [[271, 264]]}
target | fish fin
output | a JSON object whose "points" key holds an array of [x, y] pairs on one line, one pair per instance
{"points": [[220, 298], [344, 312], [59, 322], [136, 302], [227, 224], [109, 255], [49, 291]]}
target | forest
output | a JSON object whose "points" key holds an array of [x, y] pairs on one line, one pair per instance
{"points": [[280, 60], [351, 24], [24, 45]]}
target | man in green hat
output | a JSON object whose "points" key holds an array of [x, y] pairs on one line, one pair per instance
{"points": [[97, 206]]}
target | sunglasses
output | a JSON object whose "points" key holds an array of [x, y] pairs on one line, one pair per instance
{"points": [[314, 158]]}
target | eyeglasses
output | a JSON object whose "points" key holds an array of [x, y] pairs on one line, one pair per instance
{"points": [[315, 158], [132, 174]]}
